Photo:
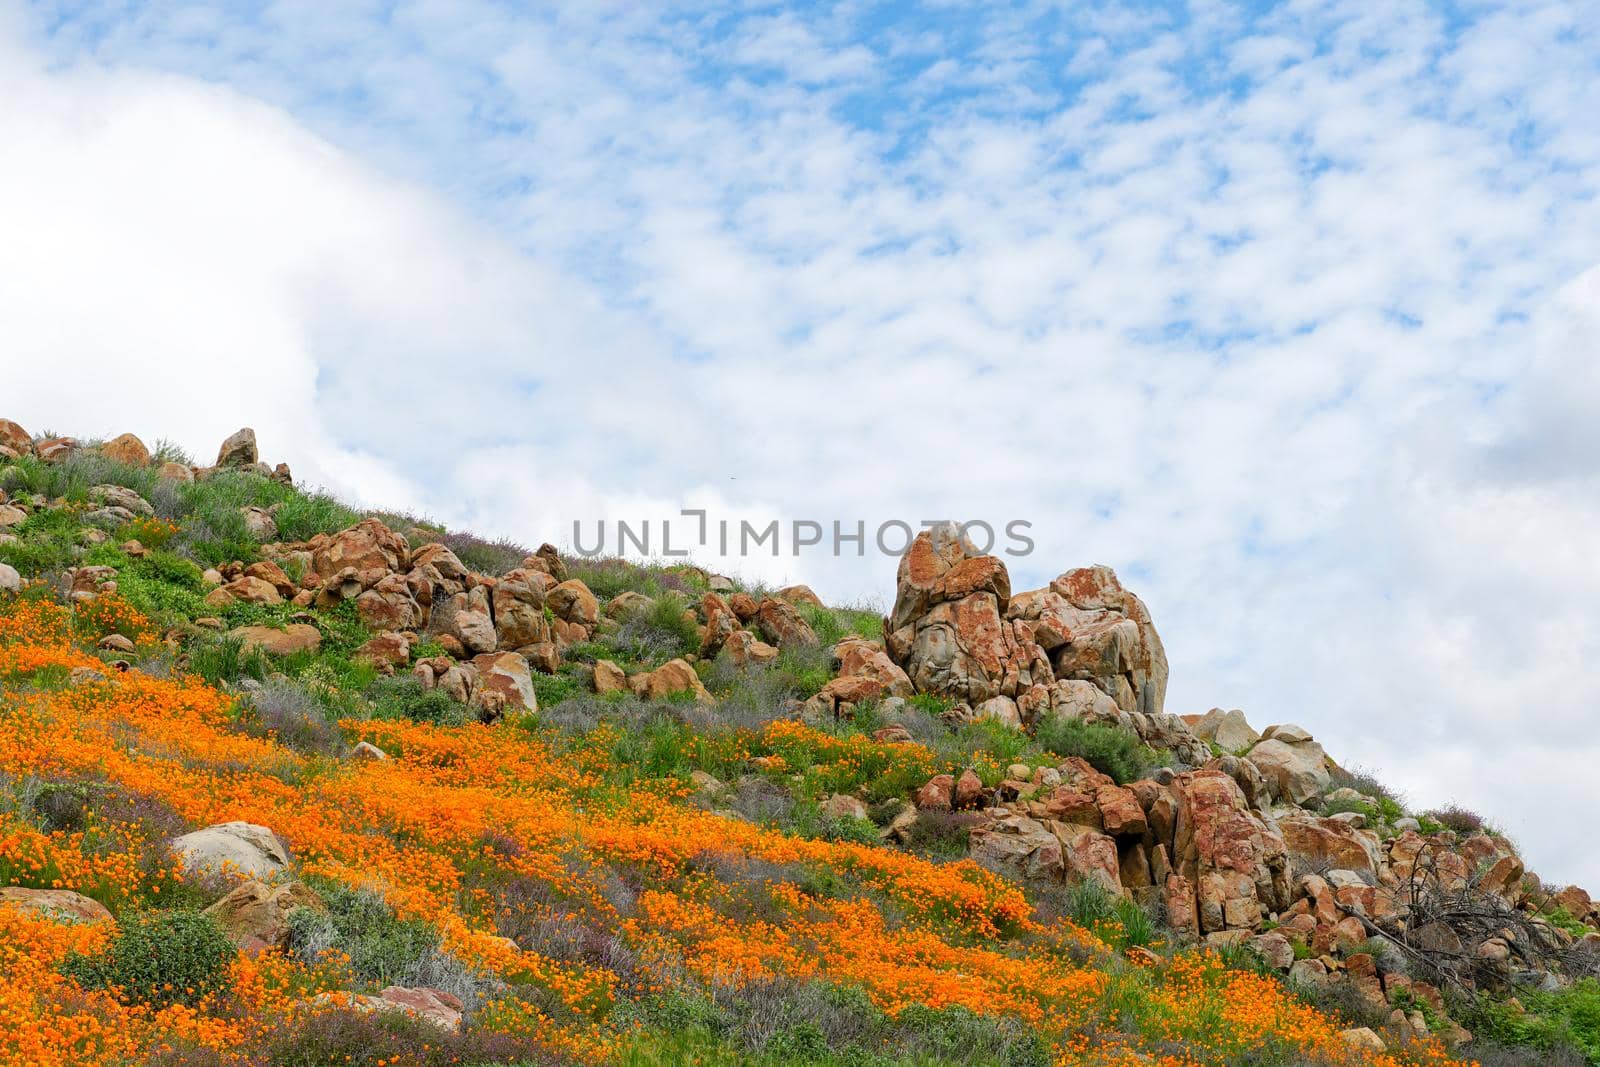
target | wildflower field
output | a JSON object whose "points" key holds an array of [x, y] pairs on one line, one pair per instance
{"points": [[587, 910]]}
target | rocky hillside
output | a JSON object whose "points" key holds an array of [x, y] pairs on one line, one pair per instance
{"points": [[283, 783]]}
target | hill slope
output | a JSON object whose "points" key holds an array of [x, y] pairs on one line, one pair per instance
{"points": [[284, 783]]}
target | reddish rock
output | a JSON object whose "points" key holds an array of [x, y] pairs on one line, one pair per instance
{"points": [[1120, 812], [969, 791], [783, 625], [938, 794]]}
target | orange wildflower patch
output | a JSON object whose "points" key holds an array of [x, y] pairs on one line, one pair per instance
{"points": [[460, 813]]}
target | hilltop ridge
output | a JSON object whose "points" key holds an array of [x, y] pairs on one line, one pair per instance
{"points": [[282, 779]]}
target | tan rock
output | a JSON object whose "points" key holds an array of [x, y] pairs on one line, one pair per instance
{"points": [[799, 594], [386, 651], [744, 649], [721, 622], [174, 472], [969, 791], [254, 910], [126, 448], [1297, 770], [238, 449], [519, 608], [674, 676], [609, 678], [62, 905], [296, 637], [369, 545], [504, 684], [236, 849], [938, 794], [14, 437], [572, 602], [840, 806]]}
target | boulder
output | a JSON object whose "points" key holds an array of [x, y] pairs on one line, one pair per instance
{"points": [[174, 472], [1090, 856], [571, 601], [232, 849], [1315, 842], [254, 911], [391, 604], [860, 658], [674, 676], [609, 678], [937, 794], [1113, 642], [14, 437], [369, 545], [11, 515], [296, 637], [840, 806], [1229, 730], [386, 651], [1019, 844], [1236, 863], [968, 791], [56, 449], [518, 601], [238, 450], [504, 684], [433, 1006], [721, 622], [1297, 769], [62, 905], [744, 649], [947, 628], [126, 448], [10, 580], [260, 523], [783, 625], [799, 594], [247, 590], [118, 496]]}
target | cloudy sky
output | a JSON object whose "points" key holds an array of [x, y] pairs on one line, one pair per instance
{"points": [[1291, 313]]}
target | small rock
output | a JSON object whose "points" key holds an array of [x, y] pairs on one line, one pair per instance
{"points": [[366, 750], [115, 643]]}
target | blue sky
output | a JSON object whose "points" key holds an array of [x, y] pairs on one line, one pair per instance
{"points": [[1287, 312]]}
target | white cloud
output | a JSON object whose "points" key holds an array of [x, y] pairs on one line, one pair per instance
{"points": [[1304, 353]]}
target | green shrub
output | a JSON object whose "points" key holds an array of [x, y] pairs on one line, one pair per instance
{"points": [[382, 948], [553, 689], [1108, 749], [160, 958], [1565, 1019], [403, 697]]}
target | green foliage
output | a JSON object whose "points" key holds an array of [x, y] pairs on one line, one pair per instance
{"points": [[46, 541], [403, 697], [804, 669], [1557, 1021], [782, 1022], [160, 958], [213, 525], [933, 705], [1109, 749], [553, 689], [223, 658], [382, 948]]}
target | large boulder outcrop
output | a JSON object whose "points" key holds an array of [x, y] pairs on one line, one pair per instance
{"points": [[1095, 629], [948, 629], [62, 905]]}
